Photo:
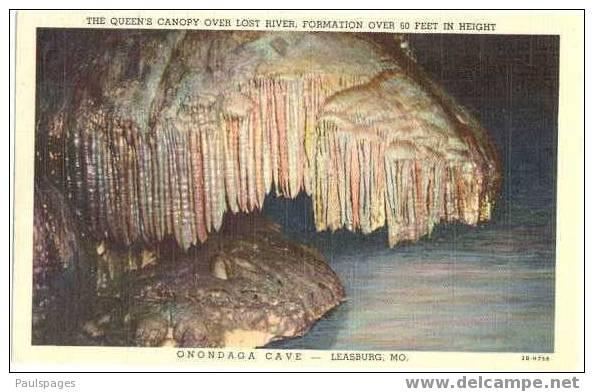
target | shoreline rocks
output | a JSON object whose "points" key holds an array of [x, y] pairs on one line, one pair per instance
{"points": [[245, 287]]}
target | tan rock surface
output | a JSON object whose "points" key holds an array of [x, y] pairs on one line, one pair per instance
{"points": [[270, 289]]}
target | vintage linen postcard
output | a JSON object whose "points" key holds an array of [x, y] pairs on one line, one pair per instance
{"points": [[366, 191]]}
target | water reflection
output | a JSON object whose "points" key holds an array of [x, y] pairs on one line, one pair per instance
{"points": [[489, 288]]}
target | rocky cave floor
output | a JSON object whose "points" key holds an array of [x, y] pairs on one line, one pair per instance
{"points": [[245, 287]]}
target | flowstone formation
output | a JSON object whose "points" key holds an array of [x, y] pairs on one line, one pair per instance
{"points": [[245, 287], [154, 139], [162, 133]]}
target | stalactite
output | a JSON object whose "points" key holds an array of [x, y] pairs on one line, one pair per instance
{"points": [[209, 123], [406, 177]]}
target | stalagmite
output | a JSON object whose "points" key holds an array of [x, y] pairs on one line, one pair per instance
{"points": [[179, 128]]}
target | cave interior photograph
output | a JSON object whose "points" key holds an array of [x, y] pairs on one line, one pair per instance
{"points": [[295, 190]]}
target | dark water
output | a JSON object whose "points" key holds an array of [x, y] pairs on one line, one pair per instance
{"points": [[489, 288]]}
